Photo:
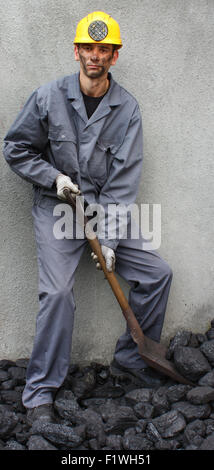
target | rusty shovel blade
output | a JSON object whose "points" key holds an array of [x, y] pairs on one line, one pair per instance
{"points": [[154, 354]]}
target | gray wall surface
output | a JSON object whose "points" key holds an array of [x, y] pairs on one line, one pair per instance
{"points": [[167, 62]]}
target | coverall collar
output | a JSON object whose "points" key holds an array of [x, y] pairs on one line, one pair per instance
{"points": [[112, 98]]}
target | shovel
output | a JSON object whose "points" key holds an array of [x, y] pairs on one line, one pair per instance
{"points": [[152, 352]]}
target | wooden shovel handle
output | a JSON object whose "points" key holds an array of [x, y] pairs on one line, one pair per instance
{"points": [[132, 322]]}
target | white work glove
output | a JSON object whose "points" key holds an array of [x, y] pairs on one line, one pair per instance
{"points": [[109, 256], [64, 182]]}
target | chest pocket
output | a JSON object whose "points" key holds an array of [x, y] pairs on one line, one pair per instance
{"points": [[99, 163], [63, 146]]}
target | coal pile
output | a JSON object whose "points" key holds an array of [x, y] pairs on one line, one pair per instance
{"points": [[100, 412]]}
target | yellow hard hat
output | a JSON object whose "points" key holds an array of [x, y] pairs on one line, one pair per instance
{"points": [[98, 27]]}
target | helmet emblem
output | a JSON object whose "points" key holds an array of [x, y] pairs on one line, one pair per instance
{"points": [[98, 30]]}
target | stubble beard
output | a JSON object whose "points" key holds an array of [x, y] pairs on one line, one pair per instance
{"points": [[92, 73]]}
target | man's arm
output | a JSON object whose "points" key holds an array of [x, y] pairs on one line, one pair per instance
{"points": [[25, 142], [125, 173]]}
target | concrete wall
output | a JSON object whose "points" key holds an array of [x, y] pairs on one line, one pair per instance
{"points": [[167, 62]]}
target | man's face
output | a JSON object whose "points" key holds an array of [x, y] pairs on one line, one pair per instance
{"points": [[95, 59]]}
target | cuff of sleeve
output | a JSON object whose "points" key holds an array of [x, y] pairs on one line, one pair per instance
{"points": [[52, 177], [110, 243]]}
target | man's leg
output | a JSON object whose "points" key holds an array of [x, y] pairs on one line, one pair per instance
{"points": [[149, 277], [57, 262]]}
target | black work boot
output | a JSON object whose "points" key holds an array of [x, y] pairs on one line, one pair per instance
{"points": [[44, 413], [146, 377]]}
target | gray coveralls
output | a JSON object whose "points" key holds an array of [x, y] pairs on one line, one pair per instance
{"points": [[103, 155]]}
